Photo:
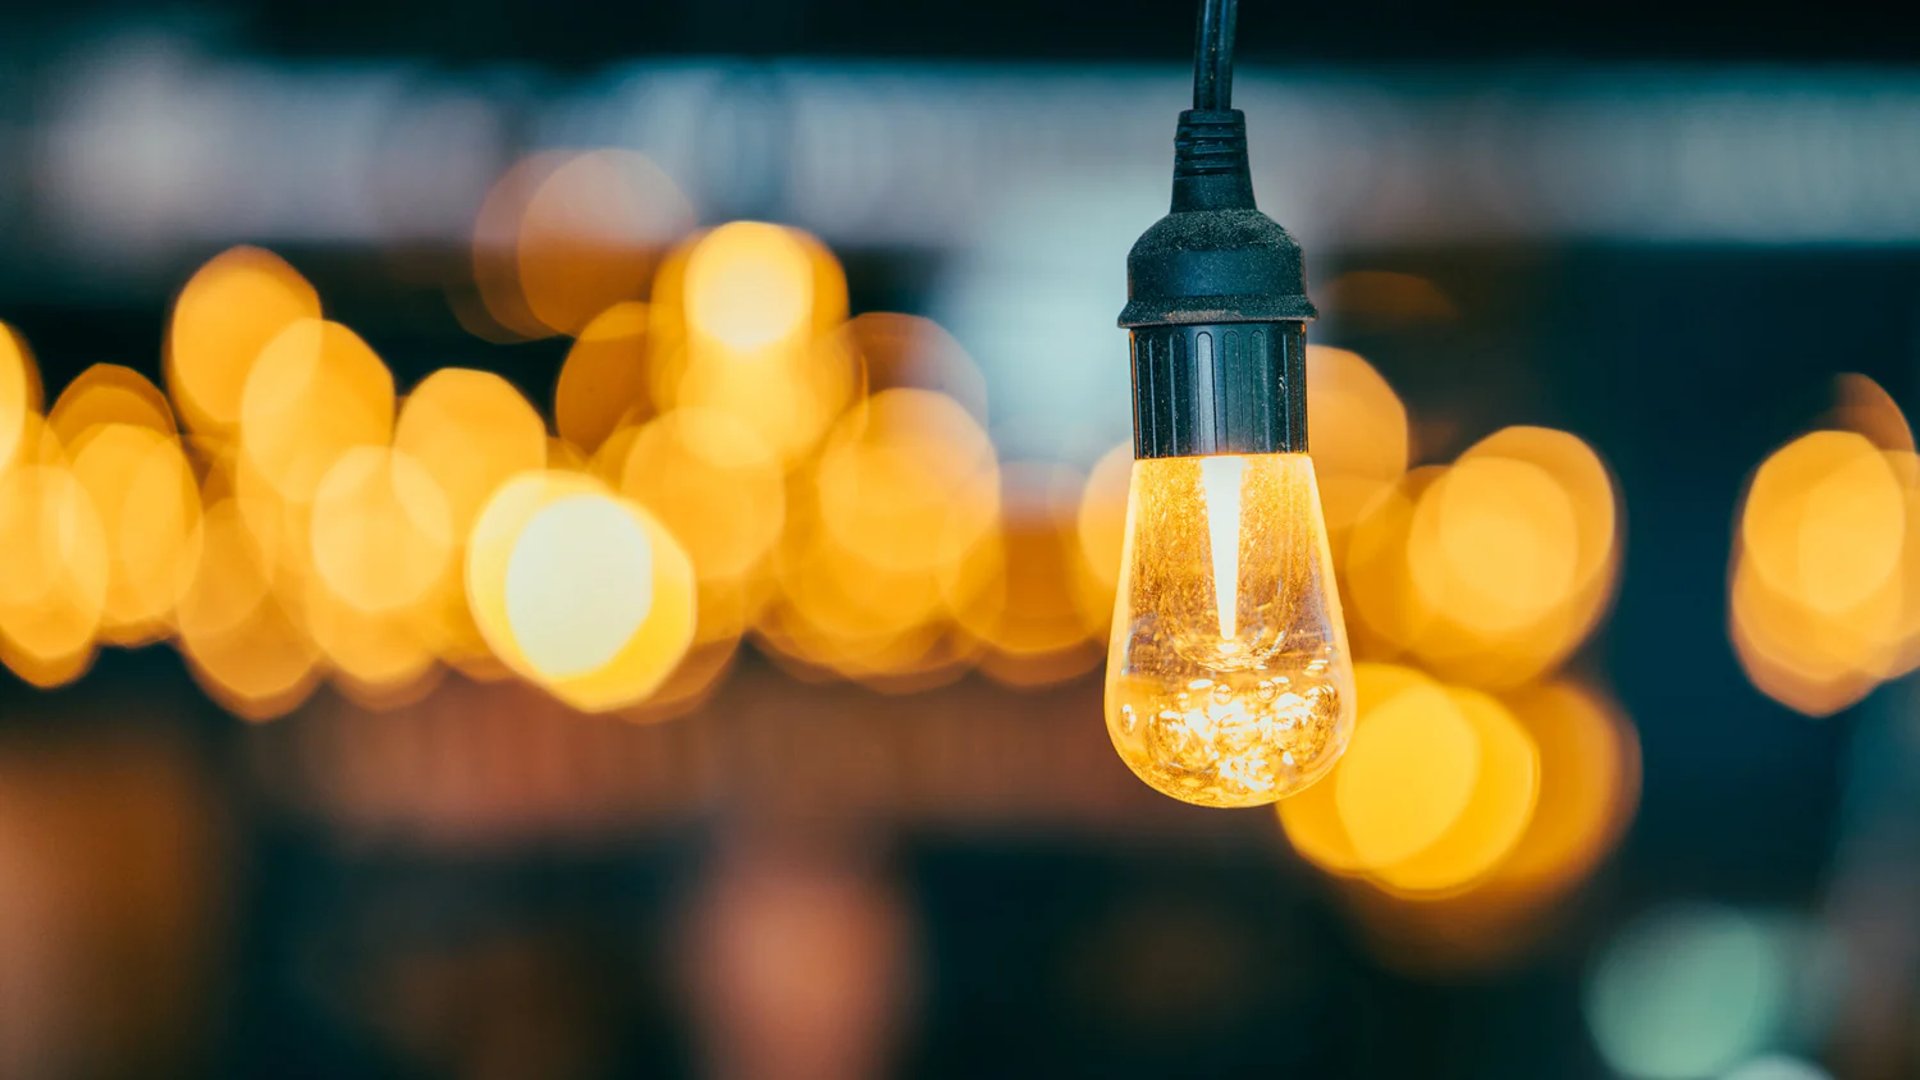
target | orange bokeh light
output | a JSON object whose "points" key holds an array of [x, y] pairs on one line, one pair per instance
{"points": [[315, 392], [1493, 570], [1495, 815], [381, 532], [143, 490], [1023, 589], [19, 392], [227, 313], [603, 383], [563, 236], [53, 582], [1822, 606], [109, 394], [1360, 436], [579, 590]]}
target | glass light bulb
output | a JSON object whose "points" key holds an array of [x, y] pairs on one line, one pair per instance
{"points": [[1229, 682]]}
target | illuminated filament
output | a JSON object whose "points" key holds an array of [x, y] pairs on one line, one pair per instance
{"points": [[1220, 483]]}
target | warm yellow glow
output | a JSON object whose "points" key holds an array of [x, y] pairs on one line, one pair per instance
{"points": [[612, 586], [1804, 659], [19, 392], [1822, 606], [740, 323], [276, 526], [225, 315], [1493, 570], [53, 580], [562, 236], [263, 668], [1023, 589], [38, 445], [838, 611], [906, 477], [1389, 615], [315, 392], [1216, 720], [379, 659], [1312, 818], [891, 351], [1493, 544], [749, 286], [240, 644], [1585, 483], [888, 536], [231, 581], [603, 383], [1103, 514], [1852, 535], [381, 532], [470, 430], [108, 394], [1360, 433], [714, 483], [563, 456], [853, 602], [1476, 650], [591, 233], [791, 398], [1490, 884], [1495, 814], [1589, 783], [149, 510], [580, 590], [1408, 777], [1824, 521], [690, 685]]}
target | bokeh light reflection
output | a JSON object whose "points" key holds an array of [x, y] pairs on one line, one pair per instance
{"points": [[1687, 992], [19, 392], [225, 315], [1360, 436], [109, 394], [563, 236], [381, 531], [1822, 604], [143, 490], [579, 590], [54, 580], [315, 392]]}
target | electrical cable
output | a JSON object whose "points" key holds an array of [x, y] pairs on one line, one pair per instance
{"points": [[1213, 55]]}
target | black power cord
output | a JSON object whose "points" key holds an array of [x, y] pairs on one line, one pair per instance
{"points": [[1213, 55], [1216, 291]]}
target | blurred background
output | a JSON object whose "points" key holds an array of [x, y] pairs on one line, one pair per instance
{"points": [[576, 540]]}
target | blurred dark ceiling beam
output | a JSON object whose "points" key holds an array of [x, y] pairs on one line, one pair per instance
{"points": [[131, 159], [573, 33]]}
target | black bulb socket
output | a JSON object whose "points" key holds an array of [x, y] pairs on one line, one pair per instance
{"points": [[1217, 309]]}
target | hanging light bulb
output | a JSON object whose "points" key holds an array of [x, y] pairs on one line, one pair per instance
{"points": [[1229, 681]]}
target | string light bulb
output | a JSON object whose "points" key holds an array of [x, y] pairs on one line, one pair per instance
{"points": [[1229, 680]]}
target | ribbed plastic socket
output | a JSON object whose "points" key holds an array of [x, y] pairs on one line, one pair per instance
{"points": [[1217, 303], [1219, 388]]}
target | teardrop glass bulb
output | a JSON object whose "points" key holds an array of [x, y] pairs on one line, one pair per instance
{"points": [[1229, 682]]}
